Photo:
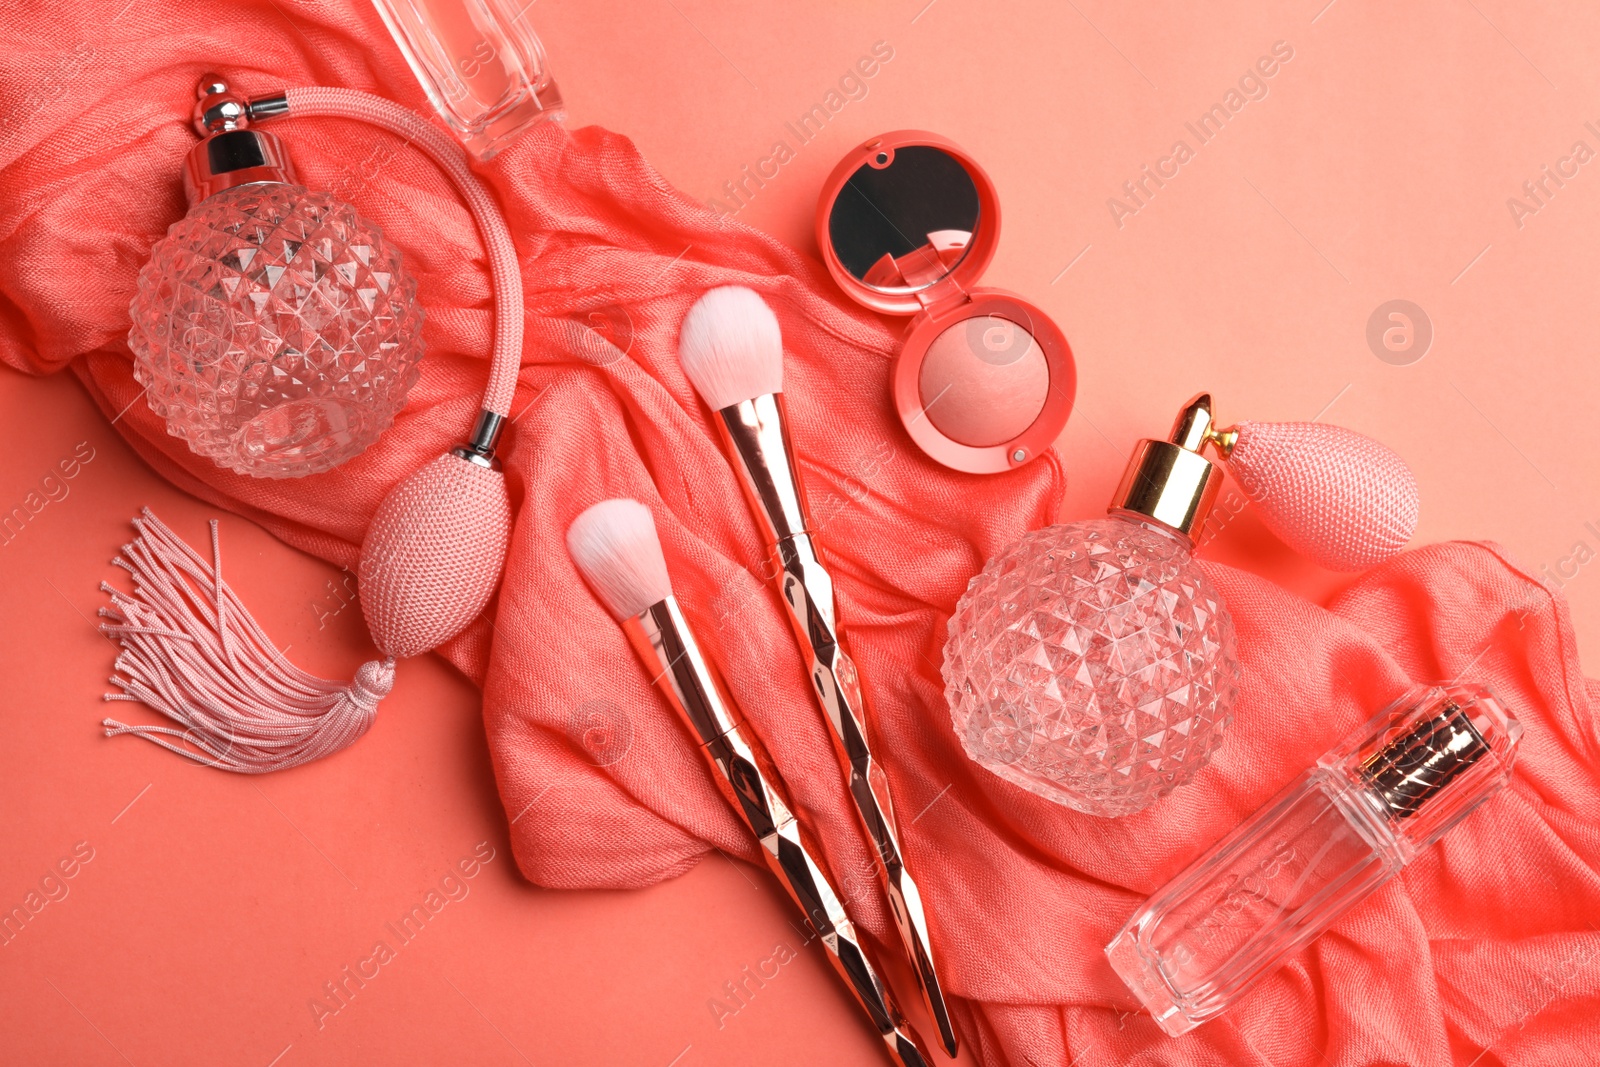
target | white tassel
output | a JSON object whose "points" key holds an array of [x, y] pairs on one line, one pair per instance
{"points": [[191, 651]]}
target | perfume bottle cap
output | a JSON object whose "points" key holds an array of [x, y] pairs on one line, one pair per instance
{"points": [[1427, 760], [232, 151], [1170, 481], [1414, 767]]}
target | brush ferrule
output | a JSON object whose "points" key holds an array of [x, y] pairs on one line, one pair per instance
{"points": [[756, 435], [661, 636]]}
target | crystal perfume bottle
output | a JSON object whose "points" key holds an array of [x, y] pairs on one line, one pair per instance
{"points": [[273, 328], [1332, 837], [481, 65], [1093, 662]]}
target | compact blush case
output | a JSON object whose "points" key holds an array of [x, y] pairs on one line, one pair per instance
{"points": [[983, 381]]}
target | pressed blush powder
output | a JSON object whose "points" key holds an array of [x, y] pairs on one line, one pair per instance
{"points": [[984, 380]]}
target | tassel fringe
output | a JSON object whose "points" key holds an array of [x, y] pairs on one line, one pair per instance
{"points": [[192, 651]]}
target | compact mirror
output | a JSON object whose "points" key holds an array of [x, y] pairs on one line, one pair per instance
{"points": [[905, 219], [983, 381]]}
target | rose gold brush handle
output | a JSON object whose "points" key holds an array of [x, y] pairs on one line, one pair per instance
{"points": [[756, 439], [664, 641]]}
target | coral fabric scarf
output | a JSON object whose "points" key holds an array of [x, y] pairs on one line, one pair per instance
{"points": [[1486, 942]]}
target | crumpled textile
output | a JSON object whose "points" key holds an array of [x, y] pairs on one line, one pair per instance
{"points": [[1483, 952]]}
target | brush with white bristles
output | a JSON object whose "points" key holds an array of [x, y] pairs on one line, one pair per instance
{"points": [[732, 353], [731, 349], [615, 546]]}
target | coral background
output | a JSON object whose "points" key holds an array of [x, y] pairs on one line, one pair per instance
{"points": [[1378, 166]]}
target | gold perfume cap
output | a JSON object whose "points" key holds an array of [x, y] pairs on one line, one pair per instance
{"points": [[1169, 481]]}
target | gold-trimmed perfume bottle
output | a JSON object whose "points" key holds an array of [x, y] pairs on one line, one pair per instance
{"points": [[1093, 662], [1330, 839]]}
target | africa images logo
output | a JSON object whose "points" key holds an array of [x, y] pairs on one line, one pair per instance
{"points": [[1399, 332]]}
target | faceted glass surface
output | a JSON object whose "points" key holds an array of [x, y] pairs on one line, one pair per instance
{"points": [[1093, 664], [275, 331]]}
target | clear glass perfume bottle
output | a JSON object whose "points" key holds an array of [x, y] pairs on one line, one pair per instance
{"points": [[274, 328], [1331, 838], [1093, 662], [481, 65]]}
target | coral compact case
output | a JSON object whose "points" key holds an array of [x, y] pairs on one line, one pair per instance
{"points": [[984, 381]]}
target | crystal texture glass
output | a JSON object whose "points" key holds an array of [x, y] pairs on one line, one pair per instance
{"points": [[275, 330], [1332, 837], [1093, 664], [481, 65]]}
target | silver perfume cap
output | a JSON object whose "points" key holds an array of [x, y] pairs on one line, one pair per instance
{"points": [[232, 151]]}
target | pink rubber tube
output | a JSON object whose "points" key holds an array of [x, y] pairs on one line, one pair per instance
{"points": [[506, 357]]}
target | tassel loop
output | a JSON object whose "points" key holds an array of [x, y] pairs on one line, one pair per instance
{"points": [[192, 651]]}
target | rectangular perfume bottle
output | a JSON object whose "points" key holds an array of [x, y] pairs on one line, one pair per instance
{"points": [[1332, 837], [481, 65]]}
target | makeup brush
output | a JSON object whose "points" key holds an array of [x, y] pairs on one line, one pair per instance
{"points": [[615, 547], [732, 352]]}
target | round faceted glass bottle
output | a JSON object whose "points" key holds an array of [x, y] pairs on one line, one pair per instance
{"points": [[273, 328], [1093, 662]]}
